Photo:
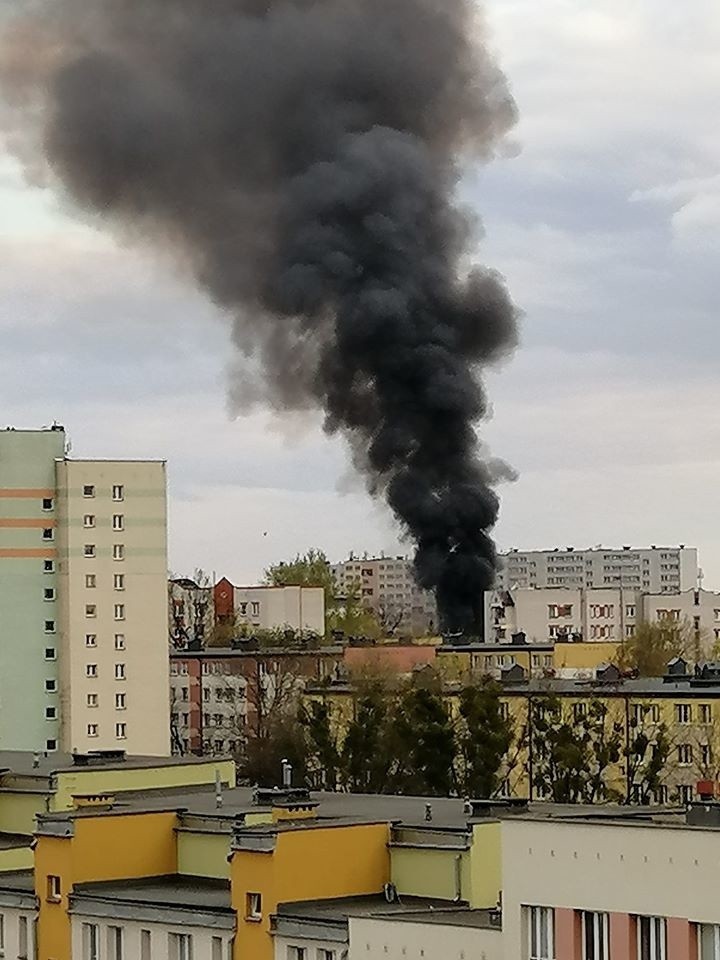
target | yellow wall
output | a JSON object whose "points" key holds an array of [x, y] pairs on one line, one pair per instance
{"points": [[101, 848], [586, 656], [485, 865], [307, 863], [421, 872], [119, 779], [18, 858], [204, 854], [18, 809]]}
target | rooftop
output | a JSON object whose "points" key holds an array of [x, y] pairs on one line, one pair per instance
{"points": [[11, 841], [170, 890], [28, 764], [341, 908], [18, 881]]}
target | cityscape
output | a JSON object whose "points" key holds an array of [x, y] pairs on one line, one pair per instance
{"points": [[359, 556]]}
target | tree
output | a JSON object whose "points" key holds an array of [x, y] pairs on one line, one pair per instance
{"points": [[484, 736], [366, 758], [323, 755], [190, 609], [571, 759], [654, 644], [352, 618], [423, 739], [646, 754]]}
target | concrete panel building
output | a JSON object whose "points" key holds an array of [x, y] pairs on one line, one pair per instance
{"points": [[83, 599], [29, 712], [387, 586], [655, 569]]}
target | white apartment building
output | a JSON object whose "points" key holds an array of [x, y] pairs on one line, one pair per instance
{"points": [[112, 572], [655, 569], [605, 614], [274, 608], [387, 586]]}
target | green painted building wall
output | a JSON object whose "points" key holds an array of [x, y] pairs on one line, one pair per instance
{"points": [[28, 588]]}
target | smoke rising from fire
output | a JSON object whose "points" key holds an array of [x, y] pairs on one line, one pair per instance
{"points": [[303, 157]]}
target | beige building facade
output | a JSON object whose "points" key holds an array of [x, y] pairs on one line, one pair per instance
{"points": [[112, 574], [448, 935], [275, 608], [387, 586]]}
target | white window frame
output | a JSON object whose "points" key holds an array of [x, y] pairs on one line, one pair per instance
{"points": [[180, 946], [121, 731], [118, 521], [714, 929], [118, 581], [91, 941], [539, 919], [120, 672], [118, 493], [118, 551], [88, 491], [119, 641], [657, 938], [92, 730], [596, 927], [119, 612], [115, 942]]}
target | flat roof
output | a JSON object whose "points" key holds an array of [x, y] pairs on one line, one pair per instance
{"points": [[222, 653], [22, 763], [14, 841], [18, 881], [167, 890], [340, 908]]}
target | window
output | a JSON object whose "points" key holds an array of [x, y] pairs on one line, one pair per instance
{"points": [[88, 490], [90, 581], [115, 943], [89, 550], [119, 641], [119, 611], [705, 756], [709, 941], [685, 792], [51, 744], [541, 933], [323, 954], [217, 949], [118, 551], [53, 894], [92, 729], [255, 609], [119, 581], [47, 503], [92, 699], [49, 626], [684, 754], [89, 520], [651, 938], [180, 946], [120, 671], [705, 713], [48, 533], [595, 936], [2, 935], [90, 610], [50, 686], [50, 653], [145, 944], [579, 711], [51, 713], [91, 941], [48, 593], [206, 693], [297, 953], [23, 952], [683, 712], [118, 492], [120, 731], [91, 670], [90, 639], [48, 566], [253, 906], [118, 521], [120, 701]]}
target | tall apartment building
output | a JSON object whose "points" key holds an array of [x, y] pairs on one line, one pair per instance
{"points": [[88, 654], [387, 586], [652, 570]]}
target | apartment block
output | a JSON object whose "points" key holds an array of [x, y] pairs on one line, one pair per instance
{"points": [[655, 569], [83, 568], [610, 614], [387, 586], [29, 615]]}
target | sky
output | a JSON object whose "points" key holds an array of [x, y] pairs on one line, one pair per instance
{"points": [[602, 212]]}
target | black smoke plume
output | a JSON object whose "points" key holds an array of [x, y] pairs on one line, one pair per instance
{"points": [[303, 157]]}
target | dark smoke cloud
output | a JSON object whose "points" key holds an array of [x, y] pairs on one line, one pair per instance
{"points": [[302, 156]]}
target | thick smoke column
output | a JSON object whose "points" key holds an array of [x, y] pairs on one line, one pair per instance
{"points": [[303, 157]]}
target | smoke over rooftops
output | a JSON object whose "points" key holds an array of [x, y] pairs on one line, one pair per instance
{"points": [[301, 159]]}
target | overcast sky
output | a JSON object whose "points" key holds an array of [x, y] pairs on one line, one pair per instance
{"points": [[605, 220]]}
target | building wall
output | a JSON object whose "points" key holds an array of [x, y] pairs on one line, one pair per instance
{"points": [[284, 948], [572, 660], [18, 809], [625, 870], [699, 609], [203, 854], [97, 848], [207, 943], [306, 864], [128, 622], [379, 938], [27, 478], [654, 570], [423, 872], [275, 608], [387, 586]]}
